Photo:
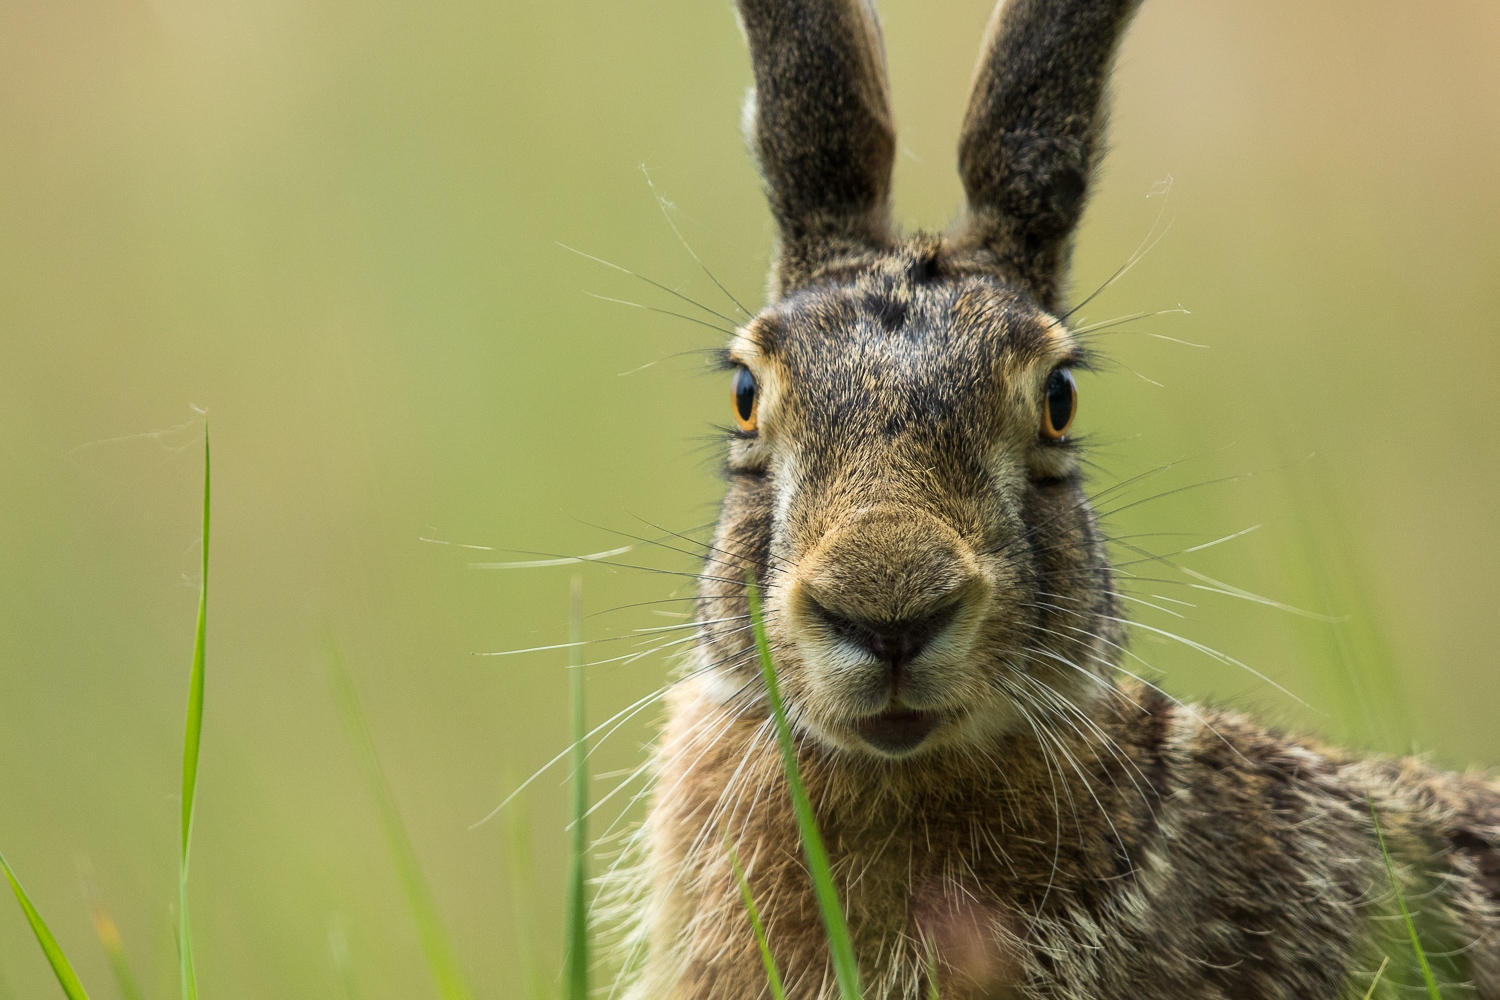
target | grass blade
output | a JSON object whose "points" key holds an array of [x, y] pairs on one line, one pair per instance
{"points": [[1411, 927], [576, 957], [435, 944], [65, 975], [521, 868], [343, 965], [845, 968], [114, 947], [191, 740], [773, 975]]}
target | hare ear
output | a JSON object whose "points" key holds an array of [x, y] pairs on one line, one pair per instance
{"points": [[1034, 126], [820, 125]]}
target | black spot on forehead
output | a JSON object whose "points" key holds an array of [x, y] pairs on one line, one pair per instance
{"points": [[876, 353], [870, 312]]}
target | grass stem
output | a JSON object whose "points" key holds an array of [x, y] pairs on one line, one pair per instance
{"points": [[59, 962], [114, 947], [435, 943], [773, 975], [576, 970], [1411, 927], [191, 743], [840, 947]]}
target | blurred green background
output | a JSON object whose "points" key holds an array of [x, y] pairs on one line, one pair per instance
{"points": [[334, 225]]}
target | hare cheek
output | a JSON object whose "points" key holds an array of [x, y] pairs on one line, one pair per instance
{"points": [[787, 478], [1049, 463]]}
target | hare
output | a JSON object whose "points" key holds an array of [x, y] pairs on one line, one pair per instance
{"points": [[1008, 814]]}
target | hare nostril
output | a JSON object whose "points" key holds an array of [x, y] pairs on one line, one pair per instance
{"points": [[895, 643]]}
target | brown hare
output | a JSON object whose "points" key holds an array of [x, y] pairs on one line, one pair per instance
{"points": [[1008, 814]]}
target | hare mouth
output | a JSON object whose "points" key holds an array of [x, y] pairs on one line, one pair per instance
{"points": [[897, 731]]}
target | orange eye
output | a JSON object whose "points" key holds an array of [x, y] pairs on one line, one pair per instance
{"points": [[744, 390], [1060, 405]]}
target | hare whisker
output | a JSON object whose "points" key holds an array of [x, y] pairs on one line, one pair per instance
{"points": [[1068, 711], [658, 309], [1062, 749], [644, 604], [772, 560], [662, 204], [1087, 500], [1057, 809], [656, 284], [740, 559], [710, 621], [1107, 324], [633, 707], [1062, 701], [1148, 243]]}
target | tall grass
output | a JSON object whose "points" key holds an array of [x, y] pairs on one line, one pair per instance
{"points": [[1353, 647], [66, 977], [520, 865], [191, 743], [435, 944], [767, 960], [109, 938], [1428, 979], [1356, 659], [576, 958], [841, 949]]}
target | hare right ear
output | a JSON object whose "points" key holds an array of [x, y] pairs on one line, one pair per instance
{"points": [[1033, 128], [820, 124]]}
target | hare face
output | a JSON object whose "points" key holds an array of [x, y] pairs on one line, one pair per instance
{"points": [[929, 559], [902, 485]]}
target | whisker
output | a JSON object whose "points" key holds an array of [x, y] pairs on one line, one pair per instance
{"points": [[662, 204], [1131, 318], [1147, 245], [1209, 651], [544, 563], [658, 309], [656, 284]]}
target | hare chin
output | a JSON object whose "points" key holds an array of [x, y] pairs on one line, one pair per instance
{"points": [[950, 731]]}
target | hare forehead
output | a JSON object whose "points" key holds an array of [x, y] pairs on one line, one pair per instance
{"points": [[941, 347]]}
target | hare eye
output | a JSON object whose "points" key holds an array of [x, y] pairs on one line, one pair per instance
{"points": [[744, 399], [1060, 405]]}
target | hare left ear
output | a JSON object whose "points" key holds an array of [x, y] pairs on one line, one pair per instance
{"points": [[820, 124], [1033, 128]]}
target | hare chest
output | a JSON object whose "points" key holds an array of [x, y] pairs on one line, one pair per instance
{"points": [[1200, 856]]}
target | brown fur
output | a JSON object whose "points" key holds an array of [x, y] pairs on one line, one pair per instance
{"points": [[1063, 830]]}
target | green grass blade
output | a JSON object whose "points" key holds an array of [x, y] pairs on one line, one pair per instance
{"points": [[435, 943], [521, 868], [65, 975], [343, 966], [576, 956], [192, 738], [114, 947], [845, 968], [1411, 927], [773, 975]]}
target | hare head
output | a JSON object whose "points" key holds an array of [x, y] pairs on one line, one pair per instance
{"points": [[904, 473]]}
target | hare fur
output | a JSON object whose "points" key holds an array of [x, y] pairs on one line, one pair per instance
{"points": [[1007, 810]]}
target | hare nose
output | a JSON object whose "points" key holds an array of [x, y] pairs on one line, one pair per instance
{"points": [[894, 643]]}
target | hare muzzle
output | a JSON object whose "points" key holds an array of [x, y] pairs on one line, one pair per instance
{"points": [[885, 610]]}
